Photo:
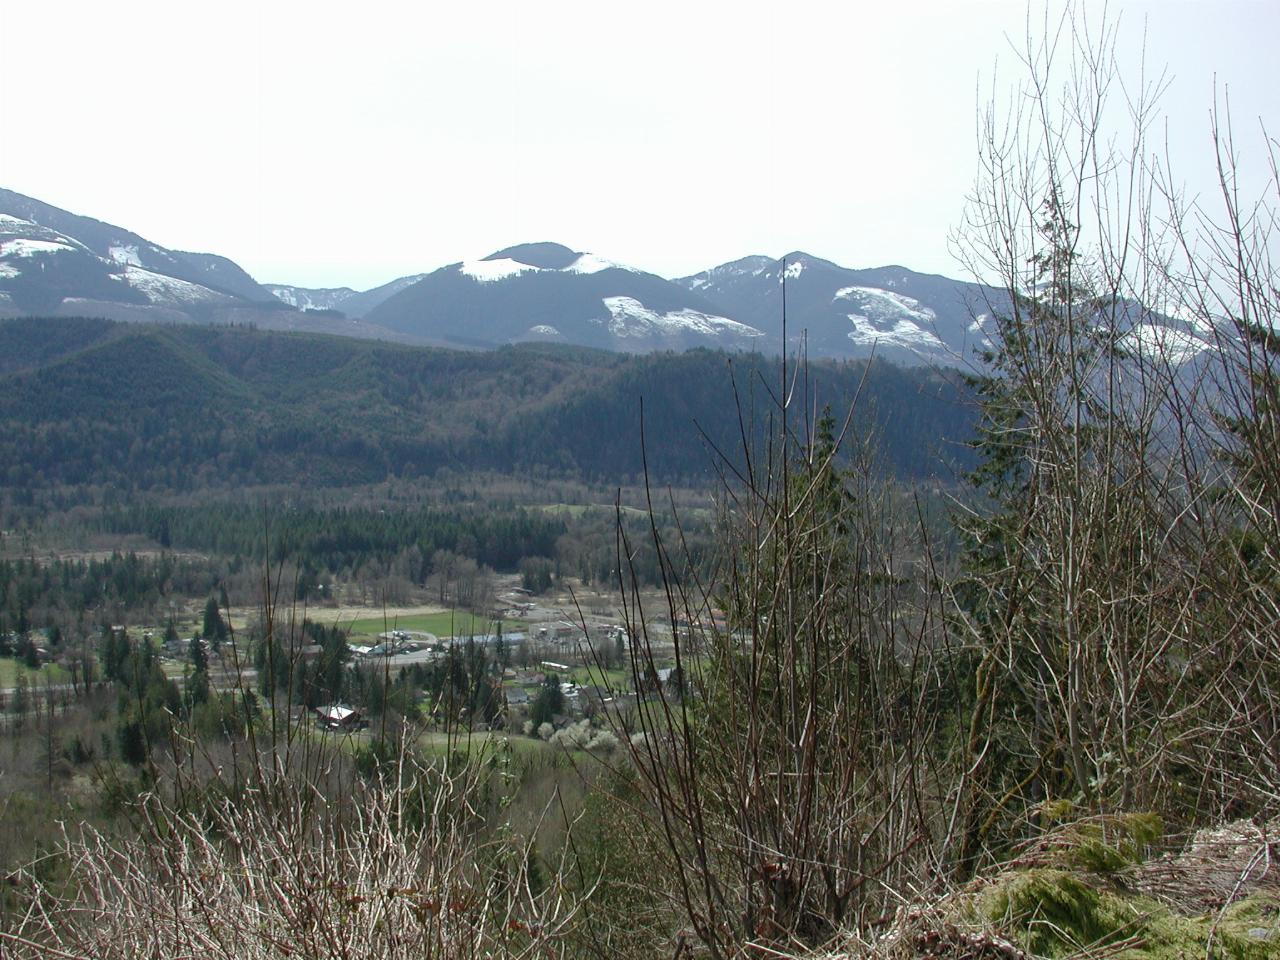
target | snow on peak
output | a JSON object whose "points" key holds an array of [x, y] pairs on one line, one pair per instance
{"points": [[628, 317], [590, 263], [487, 271], [127, 254], [544, 330], [793, 271]]}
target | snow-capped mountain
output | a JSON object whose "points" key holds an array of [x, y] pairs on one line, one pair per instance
{"points": [[48, 255], [548, 292], [56, 263], [53, 262], [899, 314]]}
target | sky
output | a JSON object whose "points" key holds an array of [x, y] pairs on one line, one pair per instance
{"points": [[347, 144]]}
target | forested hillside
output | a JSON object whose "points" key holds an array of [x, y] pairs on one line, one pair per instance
{"points": [[91, 402]]}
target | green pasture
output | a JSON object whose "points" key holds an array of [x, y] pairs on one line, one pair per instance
{"points": [[11, 669]]}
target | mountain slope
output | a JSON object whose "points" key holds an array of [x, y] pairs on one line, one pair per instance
{"points": [[120, 248], [202, 407], [548, 292], [361, 304], [53, 262]]}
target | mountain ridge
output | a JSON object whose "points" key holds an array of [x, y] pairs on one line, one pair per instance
{"points": [[57, 263]]}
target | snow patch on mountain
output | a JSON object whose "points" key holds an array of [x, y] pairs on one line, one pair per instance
{"points": [[1193, 316], [884, 304], [979, 327], [793, 271], [24, 247], [1162, 342], [8, 271], [890, 318], [628, 317], [590, 263], [289, 296], [126, 254], [302, 299], [158, 288], [488, 271], [544, 330], [903, 333], [25, 238]]}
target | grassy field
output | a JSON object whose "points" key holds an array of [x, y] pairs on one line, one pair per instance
{"points": [[10, 670], [613, 679]]}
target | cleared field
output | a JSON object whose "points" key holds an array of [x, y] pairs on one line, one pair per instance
{"points": [[343, 616]]}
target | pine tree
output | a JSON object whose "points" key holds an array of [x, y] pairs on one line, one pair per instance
{"points": [[214, 628]]}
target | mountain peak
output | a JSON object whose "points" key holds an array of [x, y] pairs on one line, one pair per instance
{"points": [[808, 259], [545, 256]]}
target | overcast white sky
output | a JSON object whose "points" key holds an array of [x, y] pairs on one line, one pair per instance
{"points": [[329, 144]]}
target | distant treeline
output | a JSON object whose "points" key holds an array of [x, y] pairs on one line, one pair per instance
{"points": [[333, 539], [87, 402], [41, 594]]}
